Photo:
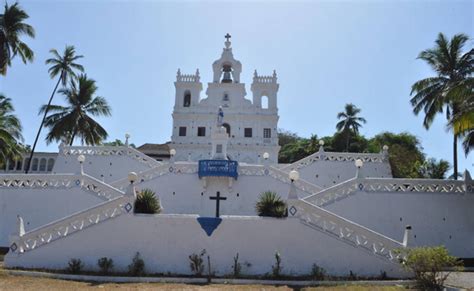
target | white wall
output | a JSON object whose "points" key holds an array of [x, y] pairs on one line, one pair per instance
{"points": [[185, 193], [106, 168], [38, 207], [165, 242], [437, 219]]}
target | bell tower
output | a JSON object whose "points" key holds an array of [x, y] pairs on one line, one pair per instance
{"points": [[227, 69]]}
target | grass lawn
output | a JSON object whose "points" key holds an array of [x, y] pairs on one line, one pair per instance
{"points": [[9, 282]]}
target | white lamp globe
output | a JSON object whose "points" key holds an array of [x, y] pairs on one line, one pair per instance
{"points": [[172, 152], [81, 159], [385, 148], [127, 135], [321, 142], [294, 175], [359, 163], [266, 155], [132, 177]]}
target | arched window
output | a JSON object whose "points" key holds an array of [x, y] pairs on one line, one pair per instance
{"points": [[50, 164], [227, 128], [225, 97], [187, 99], [42, 167], [264, 102], [34, 167], [11, 165]]}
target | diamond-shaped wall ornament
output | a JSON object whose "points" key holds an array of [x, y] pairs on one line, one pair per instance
{"points": [[78, 182], [128, 207], [171, 169], [361, 186], [469, 188], [292, 210], [13, 247], [266, 171]]}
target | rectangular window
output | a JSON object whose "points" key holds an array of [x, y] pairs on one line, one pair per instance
{"points": [[267, 133], [182, 131], [248, 132], [201, 131], [219, 149]]}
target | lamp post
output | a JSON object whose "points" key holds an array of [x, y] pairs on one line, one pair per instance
{"points": [[294, 176], [266, 156], [359, 164], [81, 159], [321, 145], [132, 178], [127, 136], [172, 154]]}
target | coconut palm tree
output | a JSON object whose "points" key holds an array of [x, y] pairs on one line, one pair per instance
{"points": [[462, 122], [12, 28], [350, 122], [65, 67], [10, 131], [435, 94], [74, 120]]}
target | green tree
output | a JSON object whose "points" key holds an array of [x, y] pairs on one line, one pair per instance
{"points": [[65, 67], [405, 153], [68, 122], [433, 169], [350, 122], [435, 94], [12, 28], [147, 202], [270, 204], [462, 122], [10, 132]]}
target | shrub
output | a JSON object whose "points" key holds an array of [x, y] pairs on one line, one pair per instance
{"points": [[75, 266], [137, 267], [197, 263], [276, 269], [147, 202], [271, 205], [430, 266], [237, 267], [318, 273], [105, 265]]}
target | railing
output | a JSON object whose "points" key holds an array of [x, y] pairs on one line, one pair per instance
{"points": [[336, 157], [218, 168], [110, 151], [188, 78], [71, 224], [342, 190], [60, 181], [345, 230]]}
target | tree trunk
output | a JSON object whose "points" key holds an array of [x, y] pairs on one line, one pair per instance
{"points": [[41, 126], [73, 136], [455, 156], [348, 134]]}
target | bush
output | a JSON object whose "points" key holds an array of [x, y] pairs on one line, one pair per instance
{"points": [[318, 273], [197, 263], [147, 202], [270, 204], [276, 269], [75, 266], [137, 267], [105, 265], [430, 266]]}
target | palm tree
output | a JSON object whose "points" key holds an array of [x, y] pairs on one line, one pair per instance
{"points": [[350, 122], [67, 123], [462, 122], [10, 131], [433, 95], [65, 67], [12, 28]]}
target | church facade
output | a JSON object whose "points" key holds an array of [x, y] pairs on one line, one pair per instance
{"points": [[251, 125], [346, 213]]}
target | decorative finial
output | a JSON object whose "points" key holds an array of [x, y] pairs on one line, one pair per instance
{"points": [[255, 74], [197, 72], [227, 37], [274, 73], [227, 42]]}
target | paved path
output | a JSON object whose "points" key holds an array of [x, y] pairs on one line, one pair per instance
{"points": [[461, 280]]}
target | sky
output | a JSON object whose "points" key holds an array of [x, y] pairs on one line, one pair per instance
{"points": [[326, 54]]}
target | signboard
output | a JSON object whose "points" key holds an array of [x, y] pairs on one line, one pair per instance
{"points": [[218, 168]]}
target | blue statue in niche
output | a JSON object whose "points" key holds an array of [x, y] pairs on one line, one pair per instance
{"points": [[220, 117]]}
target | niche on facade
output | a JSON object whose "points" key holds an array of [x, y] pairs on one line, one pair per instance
{"points": [[227, 128], [187, 99], [264, 102]]}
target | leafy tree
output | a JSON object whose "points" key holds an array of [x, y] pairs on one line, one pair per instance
{"points": [[65, 67], [435, 94], [69, 122], [432, 169], [287, 137], [12, 28], [405, 154], [10, 132], [271, 205], [350, 122], [147, 202], [462, 122], [117, 143]]}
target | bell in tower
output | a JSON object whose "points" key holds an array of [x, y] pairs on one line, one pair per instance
{"points": [[227, 78]]}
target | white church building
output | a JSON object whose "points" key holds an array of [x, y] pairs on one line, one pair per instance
{"points": [[345, 211]]}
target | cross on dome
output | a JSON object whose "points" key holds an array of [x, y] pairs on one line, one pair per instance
{"points": [[227, 42], [227, 36]]}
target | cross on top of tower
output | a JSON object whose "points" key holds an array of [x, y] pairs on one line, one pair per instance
{"points": [[227, 36]]}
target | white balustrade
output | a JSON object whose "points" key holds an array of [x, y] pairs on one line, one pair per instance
{"points": [[76, 222], [345, 230]]}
